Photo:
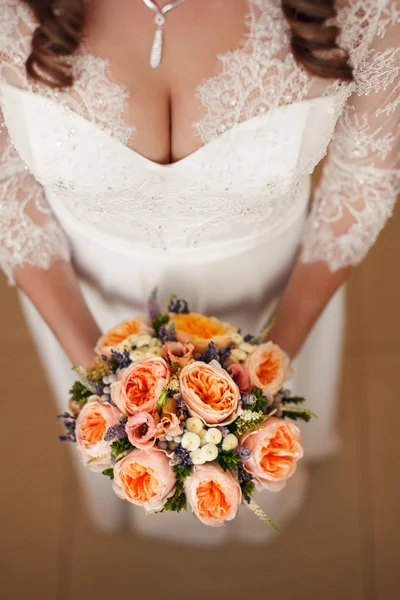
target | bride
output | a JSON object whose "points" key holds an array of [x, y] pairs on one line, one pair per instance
{"points": [[171, 143]]}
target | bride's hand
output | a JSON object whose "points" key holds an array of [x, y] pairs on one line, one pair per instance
{"points": [[308, 291]]}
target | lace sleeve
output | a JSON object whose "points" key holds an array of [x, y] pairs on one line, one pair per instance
{"points": [[361, 178], [28, 233]]}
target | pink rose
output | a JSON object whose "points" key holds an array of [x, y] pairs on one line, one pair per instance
{"points": [[209, 392], [91, 425], [141, 430], [169, 425], [178, 353], [275, 450], [139, 386], [240, 376], [213, 495], [145, 478], [268, 367]]}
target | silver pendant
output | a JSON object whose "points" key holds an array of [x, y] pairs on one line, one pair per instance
{"points": [[157, 47]]}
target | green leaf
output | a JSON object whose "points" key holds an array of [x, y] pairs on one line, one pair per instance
{"points": [[80, 393], [120, 446], [109, 473], [159, 322], [178, 501], [228, 460], [297, 412]]}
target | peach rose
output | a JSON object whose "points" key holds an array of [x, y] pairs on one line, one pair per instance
{"points": [[268, 368], [139, 386], [141, 430], [145, 478], [213, 495], [210, 392], [178, 353], [241, 377], [119, 333], [201, 330], [92, 423], [275, 450]]}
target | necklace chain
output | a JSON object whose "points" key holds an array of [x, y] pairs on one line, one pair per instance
{"points": [[159, 20]]}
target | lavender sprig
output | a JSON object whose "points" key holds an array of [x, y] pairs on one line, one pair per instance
{"points": [[153, 305], [178, 306], [182, 457], [210, 354], [69, 422], [115, 432], [118, 360]]}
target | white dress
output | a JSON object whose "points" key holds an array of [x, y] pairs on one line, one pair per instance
{"points": [[223, 226]]}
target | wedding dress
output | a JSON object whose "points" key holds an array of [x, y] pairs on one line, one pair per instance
{"points": [[221, 227]]}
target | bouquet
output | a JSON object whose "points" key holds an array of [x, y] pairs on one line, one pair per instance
{"points": [[181, 411]]}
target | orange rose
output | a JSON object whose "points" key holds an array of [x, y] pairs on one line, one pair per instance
{"points": [[92, 423], [145, 478], [209, 392], [201, 330], [139, 386], [268, 368], [120, 333], [275, 450], [213, 494]]}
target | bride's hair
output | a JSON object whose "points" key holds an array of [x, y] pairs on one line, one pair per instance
{"points": [[61, 25]]}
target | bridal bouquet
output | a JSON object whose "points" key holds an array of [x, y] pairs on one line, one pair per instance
{"points": [[180, 411]]}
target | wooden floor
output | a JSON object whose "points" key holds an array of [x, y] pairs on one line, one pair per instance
{"points": [[345, 545]]}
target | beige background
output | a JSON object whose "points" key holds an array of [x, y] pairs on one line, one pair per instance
{"points": [[344, 545]]}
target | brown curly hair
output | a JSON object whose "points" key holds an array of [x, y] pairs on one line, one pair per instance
{"points": [[61, 24]]}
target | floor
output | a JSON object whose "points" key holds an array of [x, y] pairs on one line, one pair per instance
{"points": [[345, 544]]}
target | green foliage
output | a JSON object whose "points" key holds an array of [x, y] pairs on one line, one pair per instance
{"points": [[158, 322], [228, 460], [108, 473], [297, 412], [120, 446], [248, 488], [178, 501], [80, 393], [260, 402], [293, 400]]}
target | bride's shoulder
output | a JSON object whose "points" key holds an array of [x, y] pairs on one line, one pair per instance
{"points": [[16, 22]]}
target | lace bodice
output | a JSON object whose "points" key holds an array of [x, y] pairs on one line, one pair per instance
{"points": [[264, 124]]}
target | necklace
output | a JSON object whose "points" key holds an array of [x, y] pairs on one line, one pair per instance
{"points": [[159, 20]]}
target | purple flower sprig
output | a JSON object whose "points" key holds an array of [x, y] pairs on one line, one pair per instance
{"points": [[182, 457], [222, 354], [178, 306], [69, 423], [118, 360], [246, 482], [115, 432], [153, 305]]}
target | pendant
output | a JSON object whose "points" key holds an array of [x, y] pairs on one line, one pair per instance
{"points": [[157, 47]]}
